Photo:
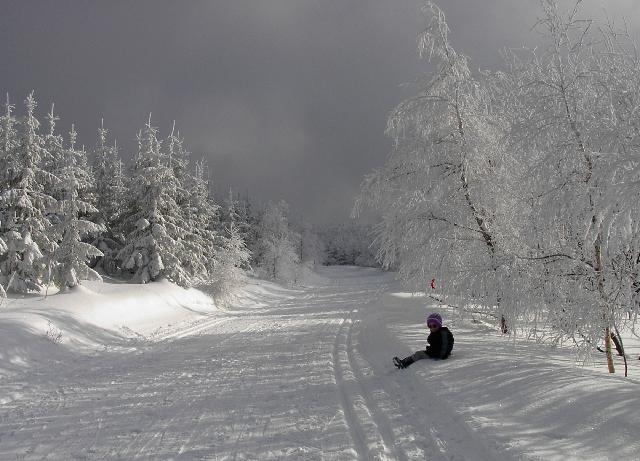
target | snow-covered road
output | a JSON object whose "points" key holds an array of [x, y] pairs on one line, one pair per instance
{"points": [[306, 375]]}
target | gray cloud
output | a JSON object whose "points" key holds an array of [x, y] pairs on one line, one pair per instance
{"points": [[287, 99]]}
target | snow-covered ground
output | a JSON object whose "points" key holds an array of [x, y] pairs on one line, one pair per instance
{"points": [[157, 372]]}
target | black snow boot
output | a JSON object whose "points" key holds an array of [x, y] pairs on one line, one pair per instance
{"points": [[404, 363]]}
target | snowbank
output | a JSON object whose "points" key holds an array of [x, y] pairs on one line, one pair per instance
{"points": [[48, 329], [39, 330]]}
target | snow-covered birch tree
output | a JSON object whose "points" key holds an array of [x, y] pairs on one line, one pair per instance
{"points": [[574, 125], [445, 213]]}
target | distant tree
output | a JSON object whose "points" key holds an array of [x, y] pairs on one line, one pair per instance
{"points": [[349, 244], [277, 258], [312, 249], [228, 274], [229, 212], [245, 218]]}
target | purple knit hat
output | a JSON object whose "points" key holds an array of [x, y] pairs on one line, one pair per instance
{"points": [[434, 318]]}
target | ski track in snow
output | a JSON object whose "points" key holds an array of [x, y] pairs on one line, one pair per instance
{"points": [[307, 377]]}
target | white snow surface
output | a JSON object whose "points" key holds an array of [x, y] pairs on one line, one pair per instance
{"points": [[157, 372]]}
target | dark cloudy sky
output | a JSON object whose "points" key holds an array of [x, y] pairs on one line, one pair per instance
{"points": [[287, 99]]}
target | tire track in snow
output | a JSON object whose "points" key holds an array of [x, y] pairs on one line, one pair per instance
{"points": [[374, 406], [355, 430], [152, 439], [368, 439], [200, 327], [398, 437]]}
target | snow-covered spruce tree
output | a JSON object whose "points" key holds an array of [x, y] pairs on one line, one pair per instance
{"points": [[576, 125], [201, 214], [110, 192], [445, 213], [24, 203], [71, 257], [85, 180], [277, 258], [152, 221], [8, 142], [229, 210], [197, 209], [53, 159]]}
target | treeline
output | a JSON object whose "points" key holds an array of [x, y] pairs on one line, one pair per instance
{"points": [[518, 189], [349, 244], [68, 214]]}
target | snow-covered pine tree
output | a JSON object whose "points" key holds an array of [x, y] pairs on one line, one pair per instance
{"points": [[196, 207], [229, 211], [153, 224], [24, 203], [85, 180], [278, 257], [53, 159], [440, 193], [71, 257], [201, 214], [178, 159], [8, 142], [248, 224], [238, 211], [110, 192]]}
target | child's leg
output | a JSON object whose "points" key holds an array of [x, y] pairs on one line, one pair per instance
{"points": [[404, 363], [420, 355]]}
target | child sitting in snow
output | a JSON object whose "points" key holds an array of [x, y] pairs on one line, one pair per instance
{"points": [[440, 343]]}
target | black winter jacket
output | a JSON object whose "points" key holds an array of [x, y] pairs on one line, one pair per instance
{"points": [[440, 343]]}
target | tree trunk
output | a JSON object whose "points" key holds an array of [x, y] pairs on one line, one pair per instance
{"points": [[607, 349], [603, 299], [617, 340]]}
